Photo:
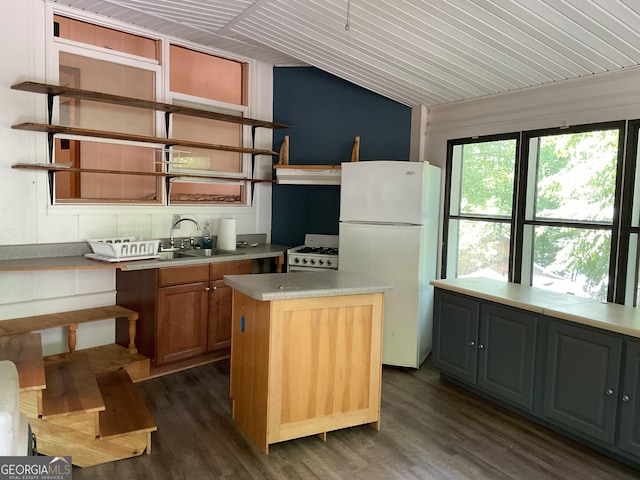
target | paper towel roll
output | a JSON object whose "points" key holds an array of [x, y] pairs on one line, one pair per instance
{"points": [[227, 234]]}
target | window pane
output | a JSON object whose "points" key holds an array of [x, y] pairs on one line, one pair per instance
{"points": [[483, 249], [92, 74], [206, 76], [102, 187], [572, 260], [190, 192], [487, 178], [576, 176], [106, 37], [206, 131]]}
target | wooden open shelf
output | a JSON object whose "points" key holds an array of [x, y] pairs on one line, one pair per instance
{"points": [[85, 132], [51, 168], [136, 102], [55, 168]]}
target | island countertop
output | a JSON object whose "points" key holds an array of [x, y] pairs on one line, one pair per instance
{"points": [[285, 286]]}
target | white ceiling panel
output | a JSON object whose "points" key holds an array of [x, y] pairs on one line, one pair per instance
{"points": [[417, 52]]}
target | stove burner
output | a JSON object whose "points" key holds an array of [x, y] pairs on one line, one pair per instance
{"points": [[319, 250]]}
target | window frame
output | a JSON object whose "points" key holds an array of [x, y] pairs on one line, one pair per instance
{"points": [[447, 216], [163, 94], [622, 269]]}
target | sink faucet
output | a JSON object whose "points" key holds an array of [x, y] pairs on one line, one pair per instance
{"points": [[185, 219]]}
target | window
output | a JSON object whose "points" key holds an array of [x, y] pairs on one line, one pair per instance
{"points": [[480, 209], [569, 210], [93, 57], [204, 81], [109, 77], [538, 208]]}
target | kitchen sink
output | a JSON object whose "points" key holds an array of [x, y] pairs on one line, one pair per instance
{"points": [[194, 253]]}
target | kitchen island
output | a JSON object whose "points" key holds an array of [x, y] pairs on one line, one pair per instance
{"points": [[306, 353]]}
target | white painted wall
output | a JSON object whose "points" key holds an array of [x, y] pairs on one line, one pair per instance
{"points": [[599, 98], [28, 219]]}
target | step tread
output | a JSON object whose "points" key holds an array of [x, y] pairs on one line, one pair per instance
{"points": [[106, 358], [71, 386], [25, 350], [125, 410]]}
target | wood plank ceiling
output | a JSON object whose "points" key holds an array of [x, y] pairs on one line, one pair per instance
{"points": [[417, 52]]}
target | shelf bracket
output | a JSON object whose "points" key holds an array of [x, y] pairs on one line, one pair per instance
{"points": [[50, 177], [355, 151], [284, 151], [167, 187], [50, 98]]}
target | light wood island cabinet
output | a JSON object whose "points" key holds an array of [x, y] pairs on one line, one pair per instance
{"points": [[305, 354]]}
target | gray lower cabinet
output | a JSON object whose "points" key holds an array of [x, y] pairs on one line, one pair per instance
{"points": [[455, 333], [629, 434], [490, 346], [581, 380]]}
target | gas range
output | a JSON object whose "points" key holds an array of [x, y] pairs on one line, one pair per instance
{"points": [[319, 252]]}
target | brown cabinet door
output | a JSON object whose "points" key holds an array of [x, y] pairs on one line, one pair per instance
{"points": [[233, 267], [182, 322], [220, 299]]}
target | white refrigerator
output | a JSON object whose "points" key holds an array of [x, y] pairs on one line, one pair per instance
{"points": [[389, 230]]}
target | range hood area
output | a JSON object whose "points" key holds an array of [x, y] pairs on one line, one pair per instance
{"points": [[308, 174]]}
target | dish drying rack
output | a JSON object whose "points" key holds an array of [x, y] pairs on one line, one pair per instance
{"points": [[122, 249]]}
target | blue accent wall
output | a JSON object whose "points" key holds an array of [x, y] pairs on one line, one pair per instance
{"points": [[326, 113]]}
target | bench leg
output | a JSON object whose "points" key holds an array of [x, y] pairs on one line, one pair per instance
{"points": [[133, 319], [71, 338]]}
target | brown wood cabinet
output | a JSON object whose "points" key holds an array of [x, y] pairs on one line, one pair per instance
{"points": [[182, 322], [219, 316], [184, 312]]}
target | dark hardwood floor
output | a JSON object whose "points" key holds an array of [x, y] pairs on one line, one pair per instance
{"points": [[429, 429]]}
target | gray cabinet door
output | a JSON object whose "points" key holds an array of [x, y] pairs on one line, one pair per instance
{"points": [[506, 353], [455, 335], [629, 439], [582, 377]]}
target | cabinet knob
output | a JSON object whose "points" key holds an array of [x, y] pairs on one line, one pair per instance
{"points": [[609, 392], [625, 398], [207, 289], [472, 343], [480, 346], [215, 288]]}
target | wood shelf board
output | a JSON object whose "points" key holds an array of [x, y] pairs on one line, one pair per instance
{"points": [[85, 132], [57, 168], [71, 386], [25, 350], [125, 412], [62, 319], [140, 103]]}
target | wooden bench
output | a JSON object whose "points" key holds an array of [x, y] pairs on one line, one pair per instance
{"points": [[72, 319]]}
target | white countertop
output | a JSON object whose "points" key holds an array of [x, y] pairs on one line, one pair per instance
{"points": [[285, 286], [606, 316]]}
